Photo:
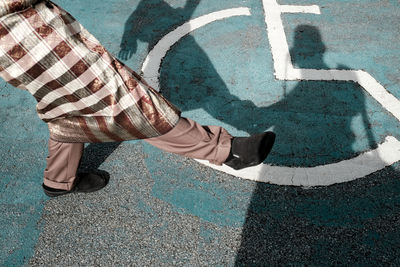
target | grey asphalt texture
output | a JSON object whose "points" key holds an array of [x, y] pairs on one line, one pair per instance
{"points": [[348, 224], [124, 224], [161, 209]]}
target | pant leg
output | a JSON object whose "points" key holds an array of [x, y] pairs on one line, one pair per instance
{"points": [[187, 138], [190, 139], [62, 164]]}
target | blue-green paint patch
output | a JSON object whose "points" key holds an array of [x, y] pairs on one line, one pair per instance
{"points": [[316, 122], [355, 36], [21, 205], [23, 142], [191, 192], [222, 74], [217, 79]]}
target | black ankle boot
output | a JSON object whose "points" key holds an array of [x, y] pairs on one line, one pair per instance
{"points": [[250, 151], [86, 183]]}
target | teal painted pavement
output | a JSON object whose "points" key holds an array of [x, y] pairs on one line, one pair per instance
{"points": [[23, 151], [220, 74]]}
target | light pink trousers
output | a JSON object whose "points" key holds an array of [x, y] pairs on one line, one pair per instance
{"points": [[187, 138]]}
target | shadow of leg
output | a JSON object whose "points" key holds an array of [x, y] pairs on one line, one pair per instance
{"points": [[95, 154]]}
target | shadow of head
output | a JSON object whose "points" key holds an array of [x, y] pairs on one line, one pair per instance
{"points": [[308, 48]]}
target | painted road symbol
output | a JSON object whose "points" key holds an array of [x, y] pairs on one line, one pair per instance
{"points": [[365, 163]]}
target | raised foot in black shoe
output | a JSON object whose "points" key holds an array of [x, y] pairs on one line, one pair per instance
{"points": [[86, 183], [250, 151]]}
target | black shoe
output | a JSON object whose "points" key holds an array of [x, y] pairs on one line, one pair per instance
{"points": [[86, 183], [250, 151]]}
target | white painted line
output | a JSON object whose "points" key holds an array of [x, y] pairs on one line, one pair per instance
{"points": [[300, 9], [347, 170], [363, 78], [284, 69], [152, 63], [366, 163], [277, 39], [377, 91]]}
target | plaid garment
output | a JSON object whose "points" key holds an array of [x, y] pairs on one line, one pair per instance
{"points": [[83, 93]]}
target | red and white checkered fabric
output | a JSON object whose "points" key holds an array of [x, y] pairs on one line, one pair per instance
{"points": [[83, 92]]}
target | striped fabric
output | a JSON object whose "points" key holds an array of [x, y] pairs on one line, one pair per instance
{"points": [[83, 93]]}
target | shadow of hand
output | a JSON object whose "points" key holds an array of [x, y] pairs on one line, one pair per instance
{"points": [[126, 53]]}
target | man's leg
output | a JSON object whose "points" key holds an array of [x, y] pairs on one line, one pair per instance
{"points": [[187, 138], [60, 175], [190, 139], [215, 144], [62, 164]]}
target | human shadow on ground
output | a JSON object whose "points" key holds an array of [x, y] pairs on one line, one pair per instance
{"points": [[313, 120], [350, 223], [140, 26], [354, 223], [95, 154]]}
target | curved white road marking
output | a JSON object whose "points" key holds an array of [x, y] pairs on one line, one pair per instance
{"points": [[152, 63], [366, 163]]}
